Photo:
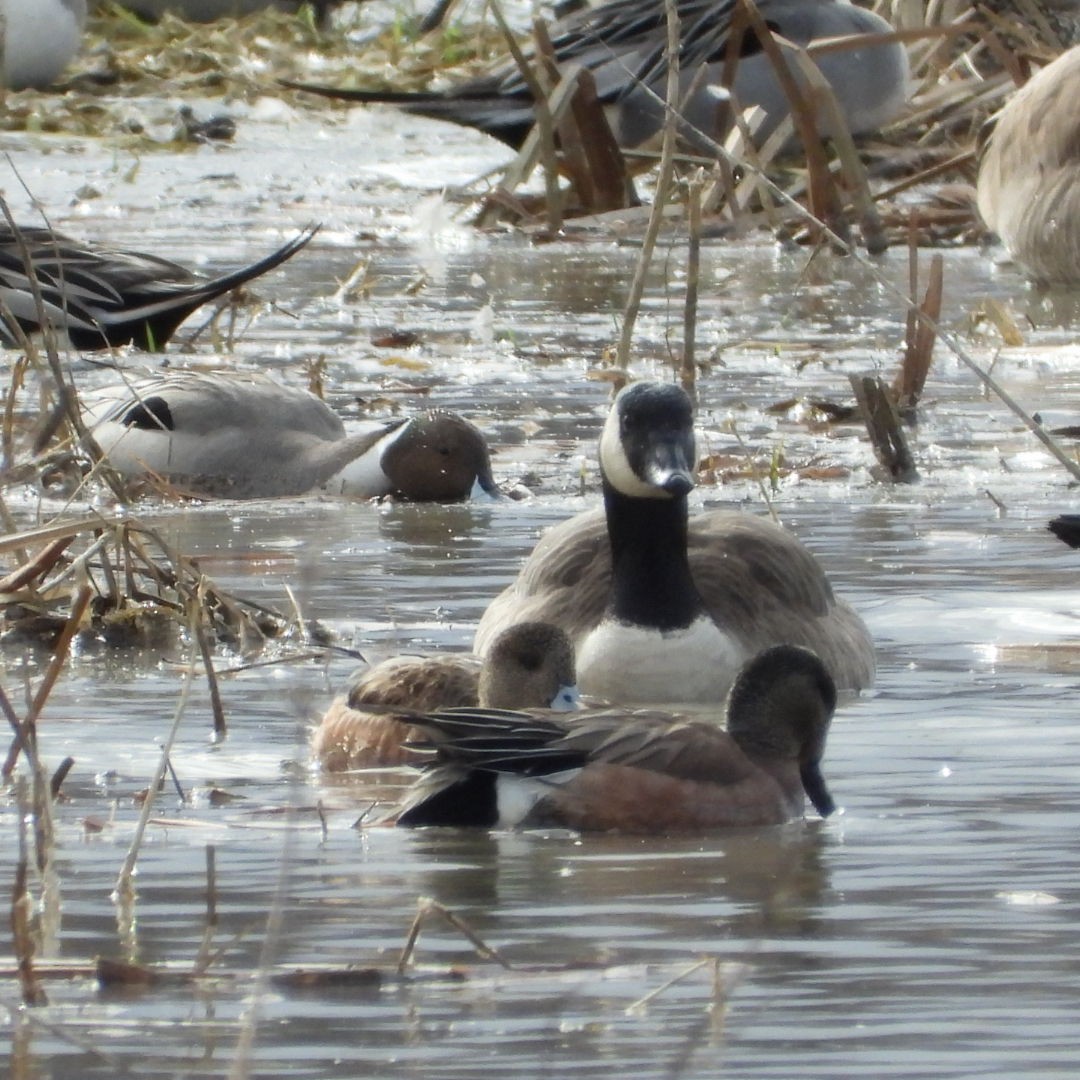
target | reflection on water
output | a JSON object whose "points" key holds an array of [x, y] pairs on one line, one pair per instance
{"points": [[926, 931]]}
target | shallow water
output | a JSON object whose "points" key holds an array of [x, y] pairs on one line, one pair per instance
{"points": [[925, 931]]}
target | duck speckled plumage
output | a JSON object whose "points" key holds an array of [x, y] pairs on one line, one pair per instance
{"points": [[530, 665]]}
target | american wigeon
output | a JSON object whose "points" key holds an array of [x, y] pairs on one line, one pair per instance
{"points": [[623, 43], [636, 772], [665, 608], [531, 665], [101, 297], [1029, 173], [247, 437], [38, 39]]}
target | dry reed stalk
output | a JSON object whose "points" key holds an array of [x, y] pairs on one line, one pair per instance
{"points": [[27, 733], [663, 186], [825, 204], [196, 614], [22, 938], [919, 339], [688, 368], [425, 908], [124, 888], [545, 122], [205, 957]]}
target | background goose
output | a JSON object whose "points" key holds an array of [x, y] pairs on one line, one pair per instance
{"points": [[637, 772], [38, 39], [101, 297], [530, 665], [623, 43], [226, 436], [666, 608], [1029, 173]]}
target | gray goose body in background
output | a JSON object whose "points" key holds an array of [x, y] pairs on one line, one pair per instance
{"points": [[623, 43], [100, 297], [1029, 173], [686, 600], [637, 772], [237, 437], [38, 39]]}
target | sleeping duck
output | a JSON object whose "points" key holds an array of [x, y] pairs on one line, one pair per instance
{"points": [[530, 665]]}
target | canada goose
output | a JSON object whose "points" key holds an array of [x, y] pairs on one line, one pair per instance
{"points": [[1029, 173], [530, 665], [623, 42], [38, 39], [637, 772], [685, 601], [236, 437], [100, 297]]}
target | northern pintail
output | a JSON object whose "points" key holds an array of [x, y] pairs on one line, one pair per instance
{"points": [[662, 607], [623, 43], [247, 437], [530, 665], [38, 39], [100, 297], [636, 772], [1029, 173]]}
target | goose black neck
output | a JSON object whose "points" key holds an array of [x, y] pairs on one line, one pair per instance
{"points": [[651, 584]]}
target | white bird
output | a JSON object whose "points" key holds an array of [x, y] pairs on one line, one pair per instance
{"points": [[38, 39]]}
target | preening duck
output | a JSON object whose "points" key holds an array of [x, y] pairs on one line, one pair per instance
{"points": [[530, 665], [235, 437], [663, 607], [99, 297], [638, 772], [1029, 173], [623, 43]]}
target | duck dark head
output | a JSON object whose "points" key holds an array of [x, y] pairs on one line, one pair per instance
{"points": [[647, 448], [438, 457]]}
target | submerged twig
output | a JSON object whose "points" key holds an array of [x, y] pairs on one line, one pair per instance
{"points": [[427, 907]]}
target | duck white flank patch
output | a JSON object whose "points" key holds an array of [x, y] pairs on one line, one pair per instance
{"points": [[364, 477]]}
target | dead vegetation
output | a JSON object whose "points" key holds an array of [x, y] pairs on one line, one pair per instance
{"points": [[914, 176]]}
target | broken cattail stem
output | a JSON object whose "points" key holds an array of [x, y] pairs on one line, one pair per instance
{"points": [[60, 775], [883, 425], [198, 628], [22, 940]]}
